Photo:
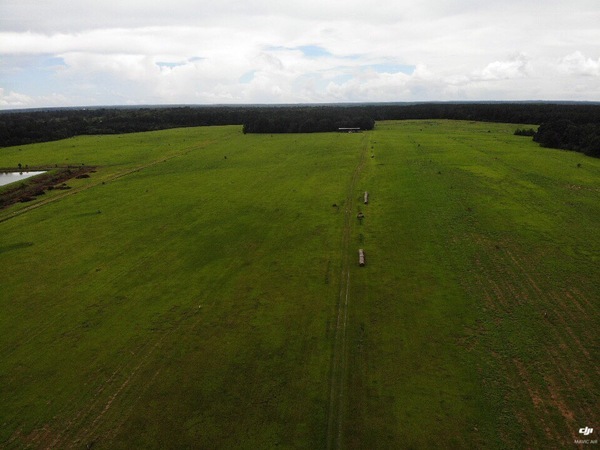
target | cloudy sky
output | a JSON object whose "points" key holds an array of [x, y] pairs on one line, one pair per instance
{"points": [[83, 52]]}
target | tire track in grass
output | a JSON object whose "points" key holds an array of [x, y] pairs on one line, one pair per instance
{"points": [[86, 433], [338, 368], [83, 428]]}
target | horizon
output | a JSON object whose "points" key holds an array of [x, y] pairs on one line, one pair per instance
{"points": [[266, 53], [289, 105]]}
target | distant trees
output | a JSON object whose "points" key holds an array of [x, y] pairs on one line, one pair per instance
{"points": [[525, 132], [567, 135], [571, 126], [29, 126], [306, 120]]}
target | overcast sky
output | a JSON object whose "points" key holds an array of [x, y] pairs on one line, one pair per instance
{"points": [[120, 52]]}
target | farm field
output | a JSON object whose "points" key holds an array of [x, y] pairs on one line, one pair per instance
{"points": [[202, 290]]}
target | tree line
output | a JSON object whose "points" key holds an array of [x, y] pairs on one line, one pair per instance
{"points": [[30, 126], [567, 135], [572, 126], [307, 120]]}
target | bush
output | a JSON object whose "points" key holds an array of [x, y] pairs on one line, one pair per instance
{"points": [[524, 132]]}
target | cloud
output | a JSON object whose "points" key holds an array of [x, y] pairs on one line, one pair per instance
{"points": [[504, 70], [578, 64], [310, 51], [15, 100]]}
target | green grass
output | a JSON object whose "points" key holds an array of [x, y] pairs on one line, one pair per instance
{"points": [[186, 295], [480, 245]]}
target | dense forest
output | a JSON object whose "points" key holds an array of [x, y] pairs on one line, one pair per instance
{"points": [[565, 134], [307, 120], [28, 126], [572, 126]]}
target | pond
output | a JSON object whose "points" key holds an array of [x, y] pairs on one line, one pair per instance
{"points": [[11, 177]]}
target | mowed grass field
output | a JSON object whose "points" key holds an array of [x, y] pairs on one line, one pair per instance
{"points": [[202, 290]]}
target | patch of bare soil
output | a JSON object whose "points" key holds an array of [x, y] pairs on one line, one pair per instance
{"points": [[539, 401], [554, 389]]}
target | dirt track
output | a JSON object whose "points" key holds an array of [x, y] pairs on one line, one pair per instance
{"points": [[338, 370]]}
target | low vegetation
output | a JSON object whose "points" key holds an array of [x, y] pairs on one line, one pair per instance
{"points": [[188, 293]]}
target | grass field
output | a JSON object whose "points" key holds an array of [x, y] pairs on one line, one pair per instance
{"points": [[202, 290]]}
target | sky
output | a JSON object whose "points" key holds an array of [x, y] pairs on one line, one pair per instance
{"points": [[125, 52]]}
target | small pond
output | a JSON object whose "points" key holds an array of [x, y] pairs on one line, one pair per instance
{"points": [[11, 177]]}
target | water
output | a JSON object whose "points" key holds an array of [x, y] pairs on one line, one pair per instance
{"points": [[11, 177]]}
